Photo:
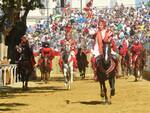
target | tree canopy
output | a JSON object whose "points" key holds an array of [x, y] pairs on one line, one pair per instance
{"points": [[13, 11], [13, 15]]}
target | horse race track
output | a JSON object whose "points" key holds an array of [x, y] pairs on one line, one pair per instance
{"points": [[131, 97]]}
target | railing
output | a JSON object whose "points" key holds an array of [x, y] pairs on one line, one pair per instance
{"points": [[8, 74]]}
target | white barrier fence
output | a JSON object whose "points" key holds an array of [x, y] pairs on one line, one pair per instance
{"points": [[8, 74]]}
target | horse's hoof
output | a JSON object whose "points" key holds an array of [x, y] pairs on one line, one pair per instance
{"points": [[65, 84], [135, 80], [102, 95], [109, 103], [112, 92], [71, 81], [69, 87]]}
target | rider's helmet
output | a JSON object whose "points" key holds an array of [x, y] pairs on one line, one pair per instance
{"points": [[46, 44]]}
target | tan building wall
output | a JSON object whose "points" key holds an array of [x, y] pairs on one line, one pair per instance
{"points": [[3, 48]]}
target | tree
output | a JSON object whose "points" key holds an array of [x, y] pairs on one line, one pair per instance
{"points": [[14, 21]]}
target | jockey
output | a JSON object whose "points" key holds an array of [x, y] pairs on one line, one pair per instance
{"points": [[25, 56], [103, 35], [46, 52], [136, 50], [123, 48], [24, 44], [70, 42]]}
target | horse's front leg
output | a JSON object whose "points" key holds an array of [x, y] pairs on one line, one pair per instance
{"points": [[135, 74], [47, 76], [122, 69], [105, 92], [23, 84], [84, 70], [101, 88], [42, 76], [65, 76], [28, 73], [23, 80], [112, 86], [71, 72]]}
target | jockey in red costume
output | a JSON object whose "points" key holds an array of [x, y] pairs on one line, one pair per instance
{"points": [[46, 52], [104, 35], [136, 50], [123, 49]]}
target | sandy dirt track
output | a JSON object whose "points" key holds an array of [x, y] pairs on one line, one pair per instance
{"points": [[84, 97]]}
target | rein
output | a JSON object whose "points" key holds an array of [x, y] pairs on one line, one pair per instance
{"points": [[110, 69]]}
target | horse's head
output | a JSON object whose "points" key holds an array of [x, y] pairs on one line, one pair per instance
{"points": [[46, 61], [106, 51], [67, 48]]}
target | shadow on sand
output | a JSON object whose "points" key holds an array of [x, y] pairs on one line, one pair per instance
{"points": [[10, 106], [86, 102]]}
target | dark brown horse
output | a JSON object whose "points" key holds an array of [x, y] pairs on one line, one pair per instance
{"points": [[106, 69], [25, 64], [45, 68], [82, 62], [139, 64]]}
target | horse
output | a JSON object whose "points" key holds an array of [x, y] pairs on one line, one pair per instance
{"points": [[139, 64], [67, 66], [25, 65], [106, 70], [81, 62], [45, 68], [125, 64]]}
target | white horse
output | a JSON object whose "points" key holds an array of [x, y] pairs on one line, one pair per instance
{"points": [[67, 55]]}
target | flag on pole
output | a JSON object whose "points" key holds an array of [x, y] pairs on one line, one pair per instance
{"points": [[88, 8]]}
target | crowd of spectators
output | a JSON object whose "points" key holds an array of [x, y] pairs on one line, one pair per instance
{"points": [[127, 23]]}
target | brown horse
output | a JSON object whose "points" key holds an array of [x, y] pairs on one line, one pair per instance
{"points": [[82, 62], [45, 68], [125, 64], [139, 64], [25, 64], [106, 70]]}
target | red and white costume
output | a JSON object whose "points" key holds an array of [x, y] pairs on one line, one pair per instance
{"points": [[70, 42], [136, 49], [47, 52], [123, 50], [103, 36]]}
